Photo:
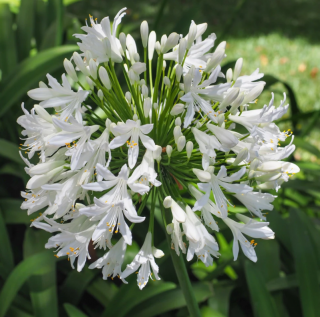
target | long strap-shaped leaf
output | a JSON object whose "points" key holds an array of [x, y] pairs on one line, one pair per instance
{"points": [[28, 73], [19, 276]]}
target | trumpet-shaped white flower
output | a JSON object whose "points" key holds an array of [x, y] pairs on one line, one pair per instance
{"points": [[251, 228], [70, 132], [39, 129], [61, 97], [101, 40], [201, 242], [134, 131], [194, 100], [145, 260], [144, 173], [111, 262], [73, 241], [221, 179]]}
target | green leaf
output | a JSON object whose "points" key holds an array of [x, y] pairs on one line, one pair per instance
{"points": [[12, 213], [210, 312], [55, 18], [6, 255], [103, 291], [306, 264], [25, 25], [170, 300], [10, 151], [220, 301], [262, 301], [42, 285], [8, 52], [73, 311], [303, 144], [16, 312], [125, 299], [28, 73], [75, 285], [20, 275]]}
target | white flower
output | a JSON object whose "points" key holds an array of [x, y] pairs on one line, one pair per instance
{"points": [[144, 173], [251, 228], [221, 179], [111, 262], [177, 212], [144, 259], [72, 131], [38, 130], [256, 202], [201, 242], [134, 131], [101, 39], [176, 236], [194, 89], [207, 210], [196, 54], [73, 240], [61, 97]]}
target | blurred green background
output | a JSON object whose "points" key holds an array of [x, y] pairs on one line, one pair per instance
{"points": [[282, 39]]}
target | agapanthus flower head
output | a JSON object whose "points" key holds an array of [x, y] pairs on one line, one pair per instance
{"points": [[120, 143]]}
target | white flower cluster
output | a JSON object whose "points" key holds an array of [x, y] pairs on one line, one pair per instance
{"points": [[106, 150]]}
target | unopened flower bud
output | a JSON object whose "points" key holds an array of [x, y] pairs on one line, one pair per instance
{"points": [[166, 81], [230, 97], [169, 150], [135, 117], [177, 133], [151, 44], [177, 109], [229, 75], [167, 202], [254, 93], [104, 77], [181, 143], [170, 42], [157, 253], [178, 121], [237, 68], [155, 106], [170, 228], [182, 50], [157, 153], [180, 94], [215, 59], [147, 107], [192, 34], [144, 30], [100, 94], [80, 64], [203, 176], [123, 42], [144, 90], [179, 71], [189, 148], [164, 65], [158, 47], [93, 68], [70, 70], [238, 102], [242, 155], [41, 112], [128, 96], [136, 57]]}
